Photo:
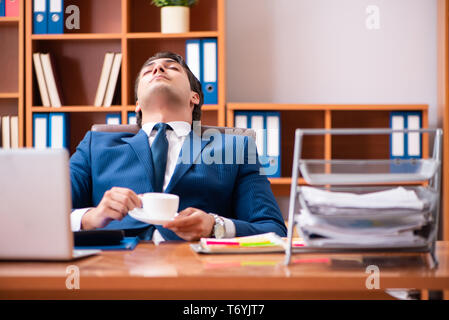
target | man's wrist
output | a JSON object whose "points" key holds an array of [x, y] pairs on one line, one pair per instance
{"points": [[76, 218], [219, 228], [85, 225]]}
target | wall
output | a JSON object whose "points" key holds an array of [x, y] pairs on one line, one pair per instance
{"points": [[321, 52]]}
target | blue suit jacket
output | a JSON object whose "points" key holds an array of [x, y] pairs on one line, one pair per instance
{"points": [[237, 191]]}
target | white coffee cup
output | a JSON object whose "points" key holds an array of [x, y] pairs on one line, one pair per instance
{"points": [[162, 206]]}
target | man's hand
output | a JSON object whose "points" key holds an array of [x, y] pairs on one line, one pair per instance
{"points": [[192, 224], [115, 205]]}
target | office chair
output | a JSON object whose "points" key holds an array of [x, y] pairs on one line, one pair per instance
{"points": [[134, 128]]}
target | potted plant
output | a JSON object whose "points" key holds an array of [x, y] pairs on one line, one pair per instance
{"points": [[175, 15]]}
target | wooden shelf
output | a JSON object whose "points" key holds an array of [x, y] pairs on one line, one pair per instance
{"points": [[205, 107], [210, 107], [77, 36], [322, 107], [443, 105], [326, 116], [159, 35], [8, 20], [281, 186], [285, 181], [9, 95], [77, 109]]}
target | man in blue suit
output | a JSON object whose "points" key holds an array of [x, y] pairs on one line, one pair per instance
{"points": [[218, 197]]}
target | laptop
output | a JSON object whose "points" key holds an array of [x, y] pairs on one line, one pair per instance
{"points": [[35, 206]]}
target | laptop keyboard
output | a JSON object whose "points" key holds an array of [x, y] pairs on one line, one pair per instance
{"points": [[82, 253]]}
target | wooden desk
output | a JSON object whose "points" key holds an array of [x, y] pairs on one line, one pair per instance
{"points": [[174, 271]]}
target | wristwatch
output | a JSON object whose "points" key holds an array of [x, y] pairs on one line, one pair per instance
{"points": [[219, 227]]}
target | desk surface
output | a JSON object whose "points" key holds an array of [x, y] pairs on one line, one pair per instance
{"points": [[174, 271]]}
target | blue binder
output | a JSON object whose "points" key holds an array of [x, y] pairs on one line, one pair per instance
{"points": [[132, 118], [272, 142], [412, 142], [2, 8], [405, 145], [40, 17], [268, 141], [55, 18], [193, 57], [58, 125], [113, 118], [397, 140], [40, 130], [209, 70]]}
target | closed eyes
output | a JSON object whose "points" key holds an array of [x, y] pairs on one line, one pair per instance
{"points": [[169, 66]]}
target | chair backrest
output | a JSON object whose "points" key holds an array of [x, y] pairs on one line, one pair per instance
{"points": [[134, 128]]}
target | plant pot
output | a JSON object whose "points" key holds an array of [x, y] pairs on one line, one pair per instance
{"points": [[175, 19]]}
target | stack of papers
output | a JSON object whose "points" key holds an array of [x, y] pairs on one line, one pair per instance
{"points": [[391, 198], [387, 218], [261, 243]]}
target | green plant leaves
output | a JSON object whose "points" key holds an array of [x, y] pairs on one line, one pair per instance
{"points": [[165, 3]]}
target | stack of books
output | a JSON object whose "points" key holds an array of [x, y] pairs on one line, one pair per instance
{"points": [[108, 79], [9, 132], [49, 86]]}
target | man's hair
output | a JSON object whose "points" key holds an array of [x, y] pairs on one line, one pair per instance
{"points": [[195, 84]]}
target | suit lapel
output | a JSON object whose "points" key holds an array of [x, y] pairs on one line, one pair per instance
{"points": [[139, 143], [190, 154]]}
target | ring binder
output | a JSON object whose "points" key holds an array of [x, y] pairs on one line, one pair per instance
{"points": [[40, 17]]}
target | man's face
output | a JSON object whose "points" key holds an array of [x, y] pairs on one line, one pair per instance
{"points": [[164, 78]]}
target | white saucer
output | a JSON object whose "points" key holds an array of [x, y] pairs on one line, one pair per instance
{"points": [[139, 214]]}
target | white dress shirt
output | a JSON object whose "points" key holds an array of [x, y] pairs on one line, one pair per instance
{"points": [[175, 139]]}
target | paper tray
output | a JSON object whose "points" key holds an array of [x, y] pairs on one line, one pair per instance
{"points": [[341, 172]]}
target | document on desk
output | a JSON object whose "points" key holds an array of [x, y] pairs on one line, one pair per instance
{"points": [[262, 243]]}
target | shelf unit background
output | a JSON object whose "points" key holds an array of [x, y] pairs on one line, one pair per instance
{"points": [[304, 116], [131, 27], [443, 106], [11, 66]]}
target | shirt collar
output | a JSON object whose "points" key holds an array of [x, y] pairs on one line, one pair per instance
{"points": [[181, 128]]}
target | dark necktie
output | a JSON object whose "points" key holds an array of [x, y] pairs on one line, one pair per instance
{"points": [[159, 150]]}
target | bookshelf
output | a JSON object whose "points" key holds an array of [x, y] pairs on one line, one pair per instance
{"points": [[131, 27], [443, 105], [12, 67], [293, 116]]}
